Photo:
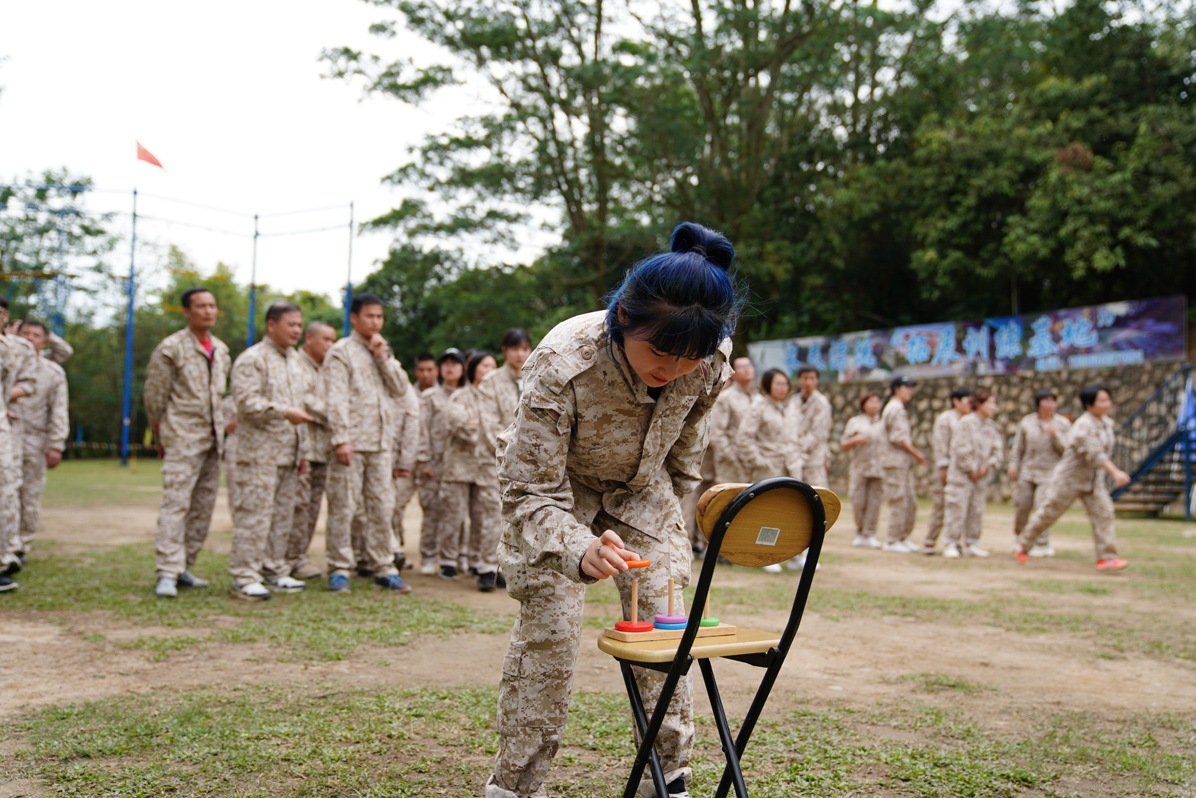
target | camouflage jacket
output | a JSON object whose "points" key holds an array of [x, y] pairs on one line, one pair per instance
{"points": [[1035, 453], [809, 424], [896, 424], [1088, 447], [588, 437], [182, 392], [467, 453], [730, 411], [407, 424], [940, 436], [306, 376], [499, 399], [975, 442], [357, 390], [764, 438], [865, 460], [44, 422], [264, 390], [433, 428]]}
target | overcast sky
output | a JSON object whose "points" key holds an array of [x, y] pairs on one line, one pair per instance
{"points": [[227, 94]]}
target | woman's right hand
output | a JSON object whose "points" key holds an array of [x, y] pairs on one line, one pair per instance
{"points": [[606, 556]]}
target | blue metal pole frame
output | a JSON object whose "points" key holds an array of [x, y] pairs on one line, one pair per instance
{"points": [[253, 284], [349, 274], [126, 423]]}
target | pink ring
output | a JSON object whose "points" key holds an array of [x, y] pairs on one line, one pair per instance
{"points": [[672, 618]]}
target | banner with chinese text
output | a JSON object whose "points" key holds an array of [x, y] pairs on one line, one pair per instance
{"points": [[1098, 336]]}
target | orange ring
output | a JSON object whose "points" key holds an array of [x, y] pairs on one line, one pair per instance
{"points": [[638, 563]]}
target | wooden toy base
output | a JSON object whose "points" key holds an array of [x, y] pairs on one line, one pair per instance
{"points": [[722, 630]]}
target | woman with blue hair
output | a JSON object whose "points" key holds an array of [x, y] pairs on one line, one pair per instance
{"points": [[609, 435]]}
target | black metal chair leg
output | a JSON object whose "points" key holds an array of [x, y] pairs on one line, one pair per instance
{"points": [[641, 723], [724, 730], [749, 721]]}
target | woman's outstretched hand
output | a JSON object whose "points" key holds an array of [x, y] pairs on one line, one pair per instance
{"points": [[606, 556]]}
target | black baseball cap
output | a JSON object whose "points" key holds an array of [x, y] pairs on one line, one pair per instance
{"points": [[452, 352], [899, 381]]}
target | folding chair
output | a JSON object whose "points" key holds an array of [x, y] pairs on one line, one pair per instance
{"points": [[756, 525]]}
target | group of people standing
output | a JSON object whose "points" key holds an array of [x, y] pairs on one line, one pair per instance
{"points": [[332, 418], [33, 431]]}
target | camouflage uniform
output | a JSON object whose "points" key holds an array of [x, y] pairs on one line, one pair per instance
{"points": [[1078, 475], [940, 442], [358, 389], [1035, 455], [438, 542], [498, 400], [317, 451], [25, 369], [228, 413], [899, 471], [406, 442], [57, 350], [470, 480], [268, 459], [866, 476], [731, 461], [183, 388], [975, 442], [808, 422], [767, 447], [590, 450], [45, 427]]}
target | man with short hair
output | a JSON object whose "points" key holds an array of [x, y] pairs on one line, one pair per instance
{"points": [[44, 429], [940, 444], [184, 384], [732, 407], [269, 457], [361, 378], [897, 451], [317, 445], [808, 421]]}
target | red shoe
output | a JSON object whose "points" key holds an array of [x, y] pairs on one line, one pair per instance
{"points": [[1022, 556], [1111, 564]]}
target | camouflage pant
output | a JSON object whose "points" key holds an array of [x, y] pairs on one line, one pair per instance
{"points": [[262, 518], [429, 530], [404, 490], [309, 493], [730, 470], [1100, 514], [189, 486], [866, 495], [537, 675], [938, 495], [33, 484], [480, 502], [230, 467], [902, 501], [1027, 496], [963, 515], [368, 480], [10, 502]]}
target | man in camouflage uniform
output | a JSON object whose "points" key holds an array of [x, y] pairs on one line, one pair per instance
{"points": [[18, 384], [433, 438], [317, 447], [898, 455], [426, 373], [406, 442], [1078, 476], [44, 426], [572, 482], [940, 444], [808, 421], [268, 425], [1037, 447], [976, 452], [184, 383], [228, 418], [361, 377]]}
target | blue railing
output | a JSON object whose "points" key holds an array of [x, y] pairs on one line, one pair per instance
{"points": [[1165, 422]]}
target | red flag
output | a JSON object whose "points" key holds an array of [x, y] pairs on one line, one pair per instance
{"points": [[145, 155]]}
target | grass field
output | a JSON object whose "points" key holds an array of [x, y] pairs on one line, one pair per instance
{"points": [[313, 724]]}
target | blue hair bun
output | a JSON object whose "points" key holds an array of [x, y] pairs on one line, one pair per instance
{"points": [[711, 245]]}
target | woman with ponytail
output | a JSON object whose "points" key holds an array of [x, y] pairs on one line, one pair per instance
{"points": [[609, 435]]}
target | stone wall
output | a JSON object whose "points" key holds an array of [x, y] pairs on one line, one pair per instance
{"points": [[1130, 386]]}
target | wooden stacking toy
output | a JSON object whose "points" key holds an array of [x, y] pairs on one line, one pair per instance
{"points": [[635, 624], [669, 626]]}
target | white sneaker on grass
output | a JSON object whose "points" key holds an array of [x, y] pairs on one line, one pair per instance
{"points": [[775, 568], [900, 547], [188, 579], [974, 551], [866, 542], [166, 588], [951, 551], [429, 569], [1043, 551], [255, 591], [286, 584]]}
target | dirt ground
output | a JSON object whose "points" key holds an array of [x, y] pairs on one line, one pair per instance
{"points": [[852, 661]]}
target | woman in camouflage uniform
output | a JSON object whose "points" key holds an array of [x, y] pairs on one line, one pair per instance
{"points": [[763, 432], [610, 432]]}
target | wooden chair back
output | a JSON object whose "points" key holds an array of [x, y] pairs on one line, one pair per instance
{"points": [[773, 526]]}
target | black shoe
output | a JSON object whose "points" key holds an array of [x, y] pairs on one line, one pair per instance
{"points": [[499, 581], [448, 572], [473, 571], [12, 569], [364, 573], [486, 582], [401, 562], [22, 558], [7, 584]]}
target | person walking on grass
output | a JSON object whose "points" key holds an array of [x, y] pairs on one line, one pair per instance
{"points": [[898, 455], [1078, 475], [976, 453], [940, 445], [1037, 448], [184, 383], [270, 447], [360, 381], [862, 439]]}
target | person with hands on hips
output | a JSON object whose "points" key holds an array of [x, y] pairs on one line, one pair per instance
{"points": [[609, 435]]}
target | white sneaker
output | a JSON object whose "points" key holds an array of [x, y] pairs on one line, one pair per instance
{"points": [[166, 588], [951, 551], [974, 551], [900, 547], [866, 542], [251, 592], [775, 568], [1043, 551], [429, 569], [928, 549], [286, 584], [798, 563]]}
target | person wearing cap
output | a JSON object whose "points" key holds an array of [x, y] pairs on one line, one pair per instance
{"points": [[897, 454], [429, 462], [360, 378], [1038, 446], [940, 444]]}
